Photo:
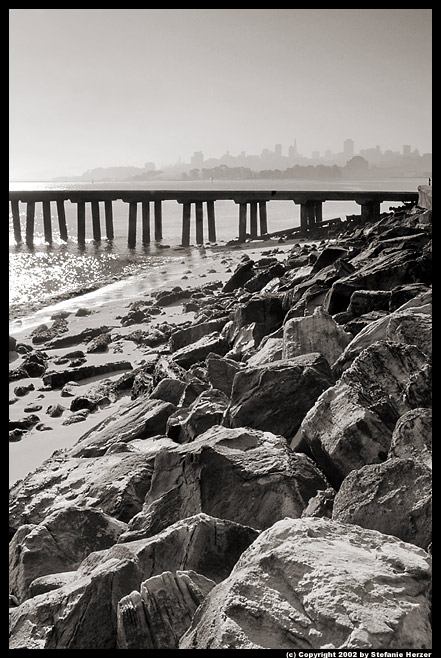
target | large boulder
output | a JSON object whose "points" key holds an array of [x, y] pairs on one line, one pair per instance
{"points": [[394, 498], [412, 436], [319, 584], [59, 543], [264, 310], [276, 396], [410, 324], [116, 483], [158, 615], [385, 272], [351, 423], [139, 419], [245, 475], [318, 332], [82, 614]]}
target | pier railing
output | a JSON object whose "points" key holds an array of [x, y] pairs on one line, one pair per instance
{"points": [[252, 215]]}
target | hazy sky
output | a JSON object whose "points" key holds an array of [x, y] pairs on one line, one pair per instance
{"points": [[105, 87]]}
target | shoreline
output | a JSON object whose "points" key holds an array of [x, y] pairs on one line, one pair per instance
{"points": [[40, 311], [105, 304]]}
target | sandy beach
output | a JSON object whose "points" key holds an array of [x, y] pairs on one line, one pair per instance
{"points": [[106, 306]]}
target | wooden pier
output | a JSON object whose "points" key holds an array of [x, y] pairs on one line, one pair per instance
{"points": [[252, 214]]}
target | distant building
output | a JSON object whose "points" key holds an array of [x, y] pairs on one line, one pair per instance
{"points": [[315, 155], [278, 149], [348, 148], [197, 159], [406, 149]]}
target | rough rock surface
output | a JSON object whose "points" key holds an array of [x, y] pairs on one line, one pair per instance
{"points": [[394, 497], [412, 436], [198, 351], [351, 423], [248, 476], [319, 584], [116, 483], [158, 615], [276, 396], [318, 332], [58, 544], [63, 619], [140, 419]]}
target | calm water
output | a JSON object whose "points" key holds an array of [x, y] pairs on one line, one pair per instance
{"points": [[41, 275]]}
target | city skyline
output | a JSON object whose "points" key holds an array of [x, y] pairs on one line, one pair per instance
{"points": [[103, 87]]}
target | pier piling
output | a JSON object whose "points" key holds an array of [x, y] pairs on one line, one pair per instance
{"points": [[211, 222], [96, 228], [30, 222], [263, 218], [62, 219], [47, 221], [108, 210], [81, 222], [158, 220], [133, 210], [16, 220], [199, 223], [145, 210], [186, 214]]}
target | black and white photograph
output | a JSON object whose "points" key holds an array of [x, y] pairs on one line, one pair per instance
{"points": [[220, 330]]}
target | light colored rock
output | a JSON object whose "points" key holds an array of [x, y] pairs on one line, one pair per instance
{"points": [[58, 544], [318, 332], [394, 498], [276, 396], [413, 315], [269, 350], [158, 615], [83, 613], [319, 584], [351, 423], [116, 483], [412, 436], [245, 475]]}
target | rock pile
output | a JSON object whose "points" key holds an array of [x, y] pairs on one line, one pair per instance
{"points": [[267, 484]]}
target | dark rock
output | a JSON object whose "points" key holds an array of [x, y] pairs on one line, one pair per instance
{"points": [[76, 417], [169, 390], [31, 408], [221, 372], [243, 273], [16, 435], [187, 356], [99, 344], [182, 337], [20, 391], [55, 410], [244, 475], [142, 384], [384, 273], [264, 310], [75, 339], [12, 343], [364, 301], [139, 419], [393, 497], [355, 325], [24, 423], [328, 256], [262, 277], [402, 294], [276, 396], [57, 378], [44, 334]]}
